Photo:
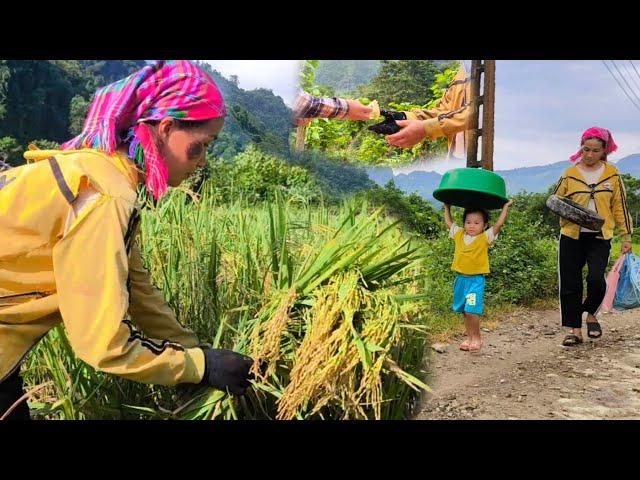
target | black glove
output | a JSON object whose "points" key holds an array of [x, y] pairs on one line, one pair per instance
{"points": [[389, 125], [227, 370], [392, 114]]}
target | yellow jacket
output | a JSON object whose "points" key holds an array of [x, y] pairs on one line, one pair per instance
{"points": [[608, 194], [83, 268], [450, 117]]}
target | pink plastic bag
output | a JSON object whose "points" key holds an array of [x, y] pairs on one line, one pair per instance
{"points": [[612, 285]]}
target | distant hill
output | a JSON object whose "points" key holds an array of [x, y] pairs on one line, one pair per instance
{"points": [[345, 75], [630, 164], [255, 116]]}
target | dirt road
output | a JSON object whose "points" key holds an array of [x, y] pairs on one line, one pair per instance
{"points": [[523, 372]]}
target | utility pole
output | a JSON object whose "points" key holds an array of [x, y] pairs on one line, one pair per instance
{"points": [[487, 100], [300, 134], [474, 101]]}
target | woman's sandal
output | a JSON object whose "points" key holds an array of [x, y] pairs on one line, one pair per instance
{"points": [[594, 327], [571, 340]]}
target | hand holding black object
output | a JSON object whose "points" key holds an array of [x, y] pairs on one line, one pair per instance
{"points": [[389, 125]]}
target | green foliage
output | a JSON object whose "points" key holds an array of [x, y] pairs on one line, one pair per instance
{"points": [[632, 189], [533, 205], [441, 83], [78, 109], [45, 144], [38, 98], [256, 175], [308, 74], [11, 151], [5, 73], [403, 80], [109, 71], [417, 214], [337, 179], [48, 99]]}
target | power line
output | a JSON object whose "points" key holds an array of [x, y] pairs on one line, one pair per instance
{"points": [[618, 82], [634, 67], [632, 76], [625, 80], [620, 85], [624, 77]]}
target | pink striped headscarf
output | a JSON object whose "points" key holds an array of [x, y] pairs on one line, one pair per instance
{"points": [[176, 89], [597, 132]]}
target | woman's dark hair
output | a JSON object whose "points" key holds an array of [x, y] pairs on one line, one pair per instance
{"points": [[604, 144], [482, 211], [182, 124], [189, 124]]}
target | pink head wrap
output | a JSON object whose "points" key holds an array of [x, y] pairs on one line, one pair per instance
{"points": [[177, 89], [596, 132]]}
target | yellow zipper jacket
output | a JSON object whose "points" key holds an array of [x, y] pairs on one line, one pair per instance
{"points": [[608, 194], [451, 116], [84, 270]]}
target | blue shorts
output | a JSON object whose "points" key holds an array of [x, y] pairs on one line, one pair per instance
{"points": [[468, 294]]}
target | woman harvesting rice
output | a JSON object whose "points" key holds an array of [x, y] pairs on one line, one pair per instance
{"points": [[68, 223]]}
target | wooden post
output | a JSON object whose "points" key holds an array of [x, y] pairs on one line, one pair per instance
{"points": [[472, 140], [488, 101], [300, 134]]}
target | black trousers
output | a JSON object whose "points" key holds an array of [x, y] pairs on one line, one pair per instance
{"points": [[10, 391], [572, 257]]}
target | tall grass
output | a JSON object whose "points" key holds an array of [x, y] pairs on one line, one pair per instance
{"points": [[286, 282]]}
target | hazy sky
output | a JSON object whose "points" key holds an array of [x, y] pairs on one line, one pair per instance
{"points": [[281, 76], [541, 107]]}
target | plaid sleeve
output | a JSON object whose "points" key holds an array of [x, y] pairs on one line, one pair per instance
{"points": [[308, 106]]}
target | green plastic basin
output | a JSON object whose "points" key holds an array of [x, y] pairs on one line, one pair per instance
{"points": [[472, 188]]}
